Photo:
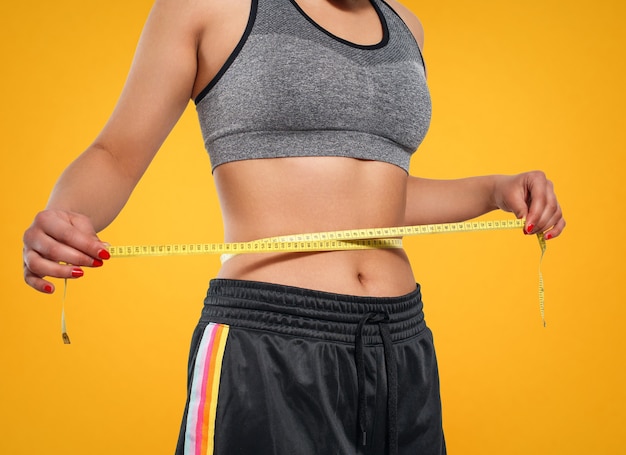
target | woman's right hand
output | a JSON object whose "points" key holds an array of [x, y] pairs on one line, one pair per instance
{"points": [[58, 244]]}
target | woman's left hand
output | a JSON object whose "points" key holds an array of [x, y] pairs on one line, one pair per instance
{"points": [[531, 195]]}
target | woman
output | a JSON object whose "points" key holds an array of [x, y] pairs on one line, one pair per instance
{"points": [[310, 111]]}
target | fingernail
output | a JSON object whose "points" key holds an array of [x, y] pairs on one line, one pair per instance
{"points": [[104, 254], [548, 236], [47, 288], [97, 263], [529, 228], [77, 273]]}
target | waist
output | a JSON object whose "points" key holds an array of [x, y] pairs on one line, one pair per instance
{"points": [[310, 313], [267, 198], [373, 273]]}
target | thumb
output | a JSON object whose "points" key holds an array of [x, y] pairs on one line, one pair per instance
{"points": [[521, 212], [518, 205], [84, 224]]}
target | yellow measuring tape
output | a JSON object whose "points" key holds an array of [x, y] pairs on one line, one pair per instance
{"points": [[350, 239]]}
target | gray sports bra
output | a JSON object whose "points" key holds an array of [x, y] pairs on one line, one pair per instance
{"points": [[291, 88]]}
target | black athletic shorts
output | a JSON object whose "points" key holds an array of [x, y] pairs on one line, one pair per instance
{"points": [[288, 371]]}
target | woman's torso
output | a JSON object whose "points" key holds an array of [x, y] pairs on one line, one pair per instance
{"points": [[276, 196]]}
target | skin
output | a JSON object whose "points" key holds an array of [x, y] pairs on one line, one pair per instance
{"points": [[298, 194]]}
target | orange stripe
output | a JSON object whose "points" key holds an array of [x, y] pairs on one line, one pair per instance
{"points": [[211, 390], [216, 384]]}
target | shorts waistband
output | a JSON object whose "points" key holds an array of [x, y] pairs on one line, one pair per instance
{"points": [[311, 313]]}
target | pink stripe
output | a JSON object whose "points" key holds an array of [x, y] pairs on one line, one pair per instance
{"points": [[205, 375]]}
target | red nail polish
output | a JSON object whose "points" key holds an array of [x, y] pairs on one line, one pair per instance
{"points": [[97, 263], [530, 228], [47, 288], [77, 273], [104, 254], [548, 236]]}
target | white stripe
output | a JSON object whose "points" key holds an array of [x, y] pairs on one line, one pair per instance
{"points": [[195, 395]]}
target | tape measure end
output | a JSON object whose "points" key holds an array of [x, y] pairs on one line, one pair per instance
{"points": [[66, 338]]}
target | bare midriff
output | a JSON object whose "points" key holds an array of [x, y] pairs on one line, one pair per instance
{"points": [[281, 196]]}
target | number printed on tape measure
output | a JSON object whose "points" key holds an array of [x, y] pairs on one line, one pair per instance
{"points": [[351, 239]]}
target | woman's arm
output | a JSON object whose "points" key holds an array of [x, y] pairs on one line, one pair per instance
{"points": [[94, 188], [529, 195]]}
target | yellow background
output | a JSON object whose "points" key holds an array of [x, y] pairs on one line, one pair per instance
{"points": [[515, 86]]}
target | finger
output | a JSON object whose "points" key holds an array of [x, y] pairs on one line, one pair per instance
{"points": [[83, 224], [66, 238], [556, 230], [42, 285], [37, 282], [77, 233], [549, 213], [57, 252], [38, 267], [43, 255], [538, 200]]}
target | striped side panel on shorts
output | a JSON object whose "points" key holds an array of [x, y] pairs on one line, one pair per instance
{"points": [[200, 431]]}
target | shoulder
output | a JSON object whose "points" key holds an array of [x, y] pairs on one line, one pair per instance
{"points": [[410, 19], [194, 15], [177, 15]]}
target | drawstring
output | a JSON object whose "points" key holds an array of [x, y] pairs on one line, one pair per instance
{"points": [[382, 319]]}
